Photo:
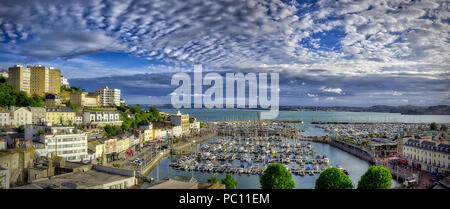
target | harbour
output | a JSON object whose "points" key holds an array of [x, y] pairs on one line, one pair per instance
{"points": [[235, 160]]}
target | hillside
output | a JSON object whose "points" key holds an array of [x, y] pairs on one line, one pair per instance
{"points": [[11, 97]]}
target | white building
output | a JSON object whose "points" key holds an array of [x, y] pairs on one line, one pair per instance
{"points": [[108, 97], [20, 116], [64, 82], [65, 142], [4, 73], [177, 131], [78, 119], [431, 156], [102, 117]]}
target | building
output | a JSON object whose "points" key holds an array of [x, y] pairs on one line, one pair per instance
{"points": [[17, 161], [4, 73], [4, 178], [194, 124], [85, 99], [4, 117], [36, 79], [52, 100], [20, 116], [64, 82], [97, 147], [108, 97], [60, 115], [179, 182], [427, 155], [182, 120], [177, 131], [123, 102], [37, 114], [78, 119], [54, 81], [20, 78], [102, 117], [66, 142]]}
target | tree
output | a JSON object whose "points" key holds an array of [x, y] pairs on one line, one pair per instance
{"points": [[444, 128], [21, 128], [276, 176], [213, 179], [229, 181], [333, 178], [433, 126], [376, 177], [365, 143]]}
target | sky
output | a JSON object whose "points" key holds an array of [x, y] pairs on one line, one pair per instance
{"points": [[327, 53]]}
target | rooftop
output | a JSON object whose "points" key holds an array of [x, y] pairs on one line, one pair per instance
{"points": [[82, 180]]}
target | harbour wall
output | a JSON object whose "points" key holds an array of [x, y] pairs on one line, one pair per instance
{"points": [[149, 167], [354, 150]]}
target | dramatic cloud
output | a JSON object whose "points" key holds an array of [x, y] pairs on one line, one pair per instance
{"points": [[351, 51]]}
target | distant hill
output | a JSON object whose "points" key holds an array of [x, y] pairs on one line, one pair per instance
{"points": [[407, 109]]}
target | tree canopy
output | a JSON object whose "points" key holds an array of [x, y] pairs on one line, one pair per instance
{"points": [[444, 128], [213, 179], [229, 181], [10, 97], [276, 176], [433, 126], [376, 177], [333, 178]]}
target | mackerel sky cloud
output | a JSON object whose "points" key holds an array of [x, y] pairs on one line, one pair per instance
{"points": [[355, 53]]}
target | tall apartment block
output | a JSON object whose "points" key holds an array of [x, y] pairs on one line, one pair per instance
{"points": [[36, 79], [20, 78], [108, 97]]}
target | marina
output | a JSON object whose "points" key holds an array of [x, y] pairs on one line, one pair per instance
{"points": [[239, 155]]}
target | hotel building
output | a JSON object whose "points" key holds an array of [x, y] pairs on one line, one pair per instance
{"points": [[182, 120], [85, 99], [65, 142], [108, 97], [36, 79], [102, 117], [60, 115], [427, 155], [20, 78]]}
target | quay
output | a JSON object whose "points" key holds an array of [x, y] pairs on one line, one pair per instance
{"points": [[149, 164], [350, 148]]}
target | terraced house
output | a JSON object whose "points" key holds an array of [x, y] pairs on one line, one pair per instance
{"points": [[60, 115], [102, 118]]}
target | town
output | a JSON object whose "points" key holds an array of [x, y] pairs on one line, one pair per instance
{"points": [[54, 135]]}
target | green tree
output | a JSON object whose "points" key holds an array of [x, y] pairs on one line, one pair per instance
{"points": [[433, 126], [444, 128], [202, 125], [276, 176], [333, 178], [365, 143], [376, 177], [229, 181], [213, 179]]}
